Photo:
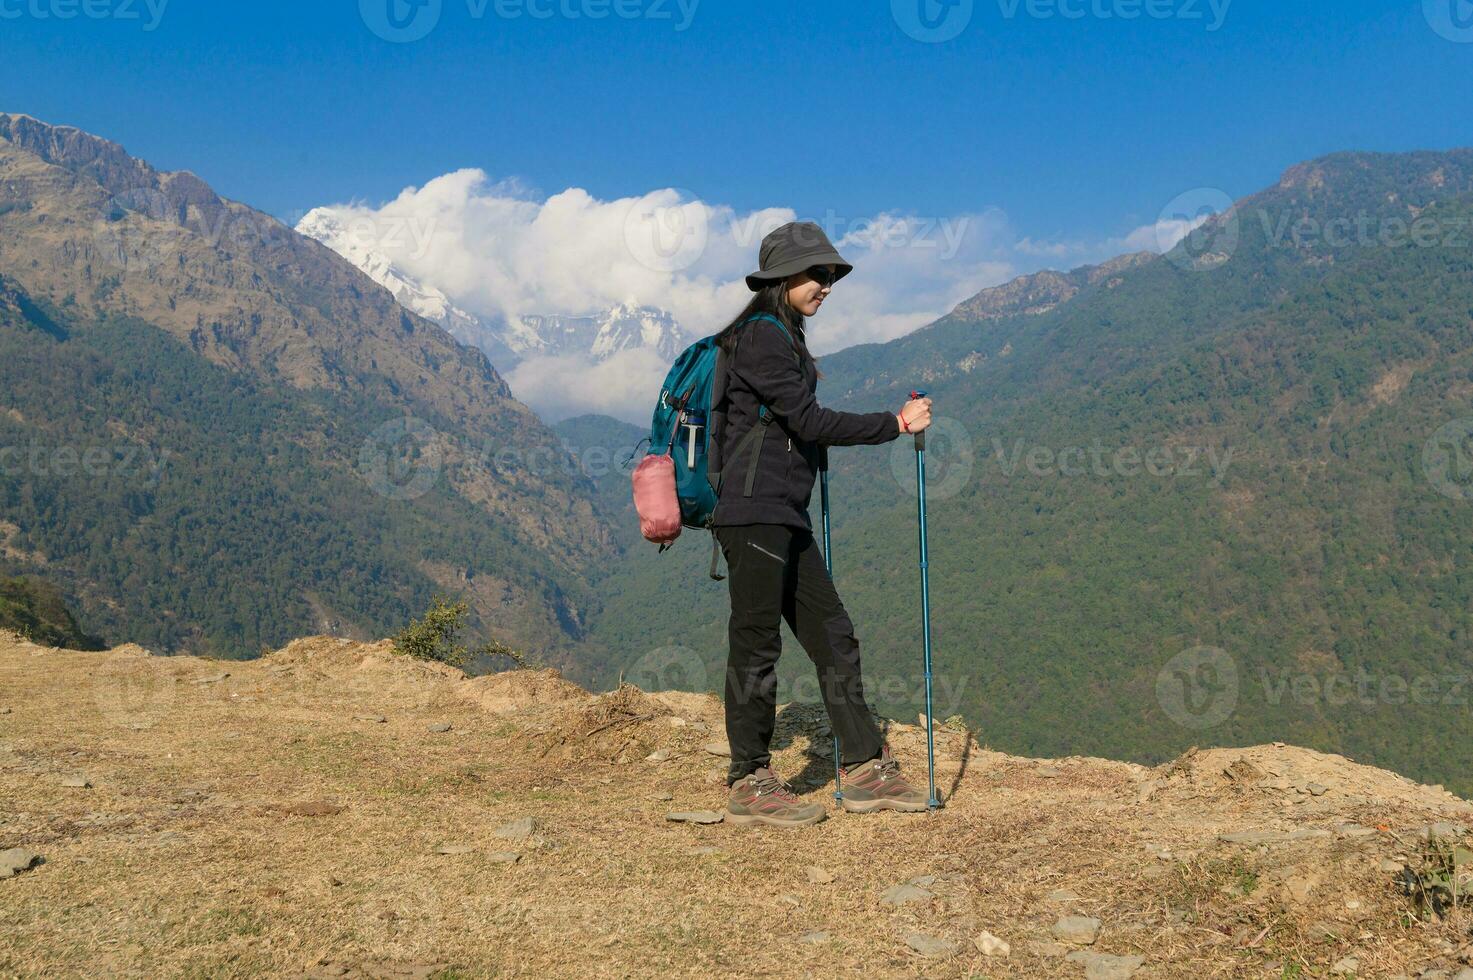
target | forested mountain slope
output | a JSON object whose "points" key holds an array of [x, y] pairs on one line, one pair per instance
{"points": [[221, 434], [1216, 497]]}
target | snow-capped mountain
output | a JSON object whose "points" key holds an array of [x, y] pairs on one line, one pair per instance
{"points": [[596, 336], [327, 226], [601, 335]]}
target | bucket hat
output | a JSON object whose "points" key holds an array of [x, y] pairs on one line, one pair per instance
{"points": [[792, 248]]}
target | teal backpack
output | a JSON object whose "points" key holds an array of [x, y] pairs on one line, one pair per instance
{"points": [[686, 426]]}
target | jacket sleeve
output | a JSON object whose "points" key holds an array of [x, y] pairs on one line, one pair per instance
{"points": [[766, 362]]}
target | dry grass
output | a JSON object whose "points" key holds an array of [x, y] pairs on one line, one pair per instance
{"points": [[194, 852]]}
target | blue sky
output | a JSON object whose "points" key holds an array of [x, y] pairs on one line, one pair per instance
{"points": [[518, 140], [1074, 126]]}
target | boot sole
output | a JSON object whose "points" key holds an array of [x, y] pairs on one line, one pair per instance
{"points": [[871, 806], [747, 819]]}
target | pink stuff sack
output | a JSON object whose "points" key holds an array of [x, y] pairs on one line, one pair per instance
{"points": [[655, 499]]}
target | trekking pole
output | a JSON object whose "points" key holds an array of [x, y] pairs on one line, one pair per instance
{"points": [[932, 803], [828, 564]]}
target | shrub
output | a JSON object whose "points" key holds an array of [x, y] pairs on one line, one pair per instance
{"points": [[435, 636]]}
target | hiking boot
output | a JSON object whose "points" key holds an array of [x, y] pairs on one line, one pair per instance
{"points": [[763, 797], [878, 785]]}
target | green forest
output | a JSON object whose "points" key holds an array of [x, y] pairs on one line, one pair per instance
{"points": [[37, 611], [189, 508], [1210, 501]]}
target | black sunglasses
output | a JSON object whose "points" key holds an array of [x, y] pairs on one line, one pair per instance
{"points": [[824, 275]]}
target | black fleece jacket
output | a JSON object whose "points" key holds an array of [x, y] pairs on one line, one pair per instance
{"points": [[764, 370]]}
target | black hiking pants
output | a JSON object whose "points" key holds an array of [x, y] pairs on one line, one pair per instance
{"points": [[776, 573]]}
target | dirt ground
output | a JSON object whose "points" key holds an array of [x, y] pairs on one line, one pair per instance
{"points": [[297, 816]]}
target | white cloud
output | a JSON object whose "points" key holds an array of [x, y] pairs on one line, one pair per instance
{"points": [[563, 386], [500, 252], [1161, 236]]}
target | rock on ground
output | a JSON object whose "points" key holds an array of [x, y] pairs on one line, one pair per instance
{"points": [[1103, 966], [516, 829], [1081, 930], [16, 860], [930, 945]]}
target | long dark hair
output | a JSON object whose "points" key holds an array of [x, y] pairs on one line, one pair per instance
{"points": [[771, 299]]}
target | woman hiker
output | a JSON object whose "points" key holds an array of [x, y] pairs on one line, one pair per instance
{"points": [[775, 569]]}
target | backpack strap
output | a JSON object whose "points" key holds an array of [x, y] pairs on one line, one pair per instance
{"points": [[715, 556], [754, 438]]}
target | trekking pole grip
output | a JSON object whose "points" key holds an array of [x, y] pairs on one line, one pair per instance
{"points": [[921, 435]]}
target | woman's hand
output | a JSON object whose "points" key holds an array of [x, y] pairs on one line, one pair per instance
{"points": [[915, 416]]}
